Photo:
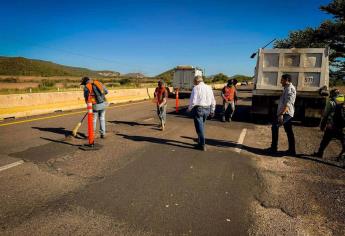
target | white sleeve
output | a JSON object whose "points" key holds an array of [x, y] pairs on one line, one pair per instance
{"points": [[191, 100], [213, 101]]}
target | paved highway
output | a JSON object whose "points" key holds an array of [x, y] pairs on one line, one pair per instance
{"points": [[147, 182]]}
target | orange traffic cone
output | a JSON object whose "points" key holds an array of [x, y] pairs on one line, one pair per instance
{"points": [[91, 136], [176, 102]]}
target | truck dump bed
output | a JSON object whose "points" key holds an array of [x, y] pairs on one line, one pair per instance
{"points": [[308, 68], [184, 76]]}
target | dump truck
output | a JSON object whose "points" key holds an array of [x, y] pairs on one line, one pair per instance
{"points": [[184, 77], [309, 69]]}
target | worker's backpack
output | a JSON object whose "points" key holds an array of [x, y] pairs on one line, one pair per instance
{"points": [[339, 115], [99, 94]]}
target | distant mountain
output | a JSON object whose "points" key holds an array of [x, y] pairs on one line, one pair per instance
{"points": [[107, 73], [32, 67], [134, 75]]}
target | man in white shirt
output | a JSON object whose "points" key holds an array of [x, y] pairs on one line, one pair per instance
{"points": [[202, 104], [285, 113]]}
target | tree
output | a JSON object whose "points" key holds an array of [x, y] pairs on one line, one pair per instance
{"points": [[331, 33], [219, 78]]}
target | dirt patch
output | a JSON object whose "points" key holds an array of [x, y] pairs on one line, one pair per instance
{"points": [[28, 187], [18, 85], [299, 197], [73, 221]]}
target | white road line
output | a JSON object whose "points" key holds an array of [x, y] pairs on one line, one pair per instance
{"points": [[240, 140], [5, 167]]}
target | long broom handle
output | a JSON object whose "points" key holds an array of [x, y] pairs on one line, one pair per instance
{"points": [[83, 118]]}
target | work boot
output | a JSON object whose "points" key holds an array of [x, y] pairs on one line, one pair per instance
{"points": [[271, 151], [290, 153], [198, 146], [341, 157], [317, 154], [204, 148]]}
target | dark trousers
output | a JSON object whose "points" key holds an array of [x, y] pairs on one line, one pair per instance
{"points": [[200, 115], [289, 132], [328, 136]]}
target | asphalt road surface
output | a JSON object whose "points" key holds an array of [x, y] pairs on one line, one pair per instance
{"points": [[144, 181]]}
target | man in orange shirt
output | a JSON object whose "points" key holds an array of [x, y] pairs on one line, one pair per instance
{"points": [[229, 95], [161, 95]]}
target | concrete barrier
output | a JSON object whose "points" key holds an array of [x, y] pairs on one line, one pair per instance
{"points": [[30, 104], [22, 105]]}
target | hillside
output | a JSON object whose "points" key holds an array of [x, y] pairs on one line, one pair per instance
{"points": [[134, 75], [241, 77], [166, 76], [31, 67]]}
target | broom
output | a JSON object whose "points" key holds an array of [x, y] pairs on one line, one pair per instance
{"points": [[75, 130]]}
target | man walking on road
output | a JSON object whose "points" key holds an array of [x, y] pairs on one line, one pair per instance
{"points": [[285, 113], [201, 104], [161, 96], [229, 95], [332, 123], [95, 92]]}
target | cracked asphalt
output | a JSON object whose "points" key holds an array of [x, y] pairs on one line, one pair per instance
{"points": [[147, 182]]}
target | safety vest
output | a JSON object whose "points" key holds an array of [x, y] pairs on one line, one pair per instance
{"points": [[92, 95], [159, 94], [229, 93]]}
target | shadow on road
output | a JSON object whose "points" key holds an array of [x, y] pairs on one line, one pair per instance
{"points": [[130, 123], [231, 144], [242, 114], [60, 130], [157, 140], [322, 161]]}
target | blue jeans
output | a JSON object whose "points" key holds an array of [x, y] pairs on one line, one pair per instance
{"points": [[200, 115], [101, 115], [162, 113]]}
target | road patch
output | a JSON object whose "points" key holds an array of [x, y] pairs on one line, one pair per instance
{"points": [[46, 152]]}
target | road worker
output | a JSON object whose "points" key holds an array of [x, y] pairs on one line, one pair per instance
{"points": [[229, 95], [202, 104], [285, 113], [333, 123], [161, 96], [95, 91]]}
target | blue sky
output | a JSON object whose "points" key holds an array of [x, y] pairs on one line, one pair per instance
{"points": [[151, 36]]}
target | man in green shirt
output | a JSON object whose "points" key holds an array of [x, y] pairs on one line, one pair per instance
{"points": [[330, 125]]}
